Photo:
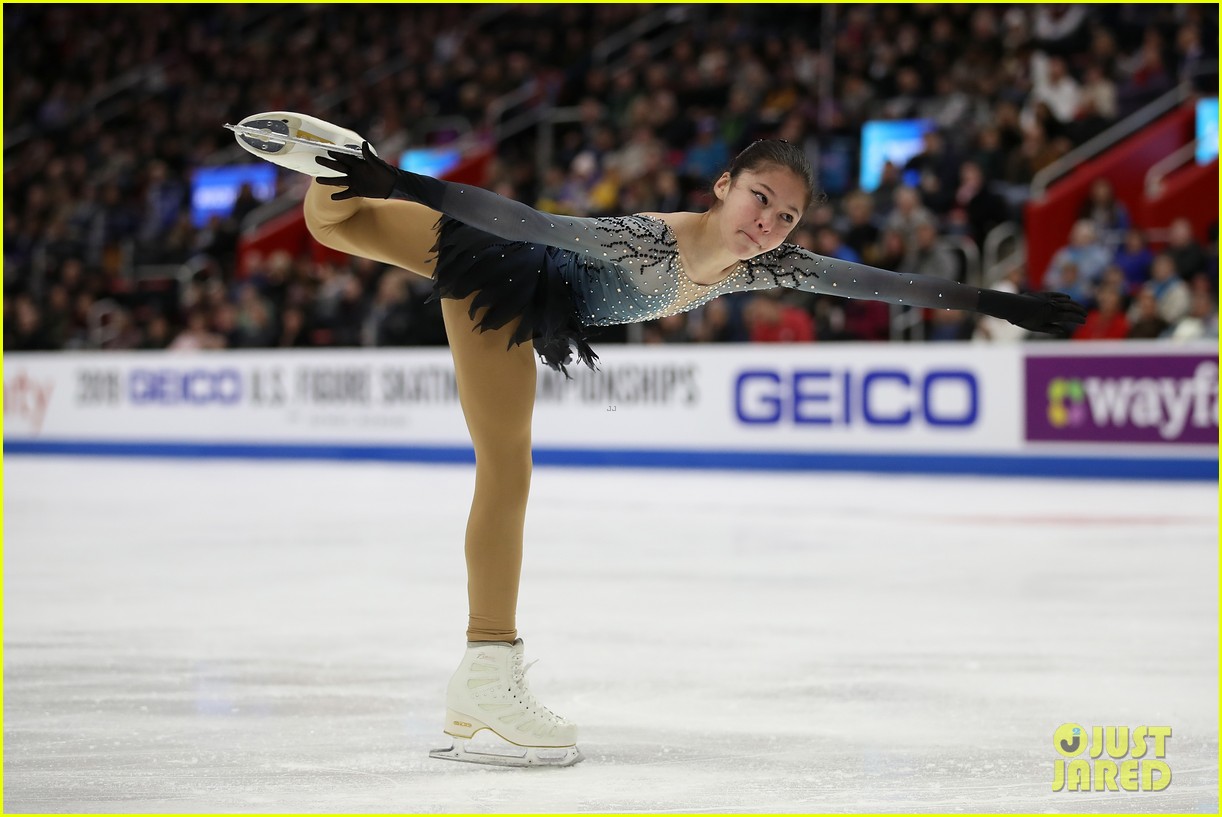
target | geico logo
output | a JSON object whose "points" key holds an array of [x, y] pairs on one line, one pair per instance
{"points": [[195, 386], [824, 397]]}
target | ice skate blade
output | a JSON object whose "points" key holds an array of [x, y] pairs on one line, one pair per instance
{"points": [[294, 140], [522, 757], [267, 140]]}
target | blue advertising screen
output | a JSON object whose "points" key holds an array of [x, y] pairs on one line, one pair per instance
{"points": [[214, 189], [896, 141], [435, 162], [1207, 130]]}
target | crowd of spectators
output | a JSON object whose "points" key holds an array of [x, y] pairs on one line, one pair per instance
{"points": [[1131, 291], [110, 109]]}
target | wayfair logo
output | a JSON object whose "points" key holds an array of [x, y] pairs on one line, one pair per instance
{"points": [[1167, 404]]}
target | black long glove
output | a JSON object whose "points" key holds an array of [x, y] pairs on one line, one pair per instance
{"points": [[1052, 312], [369, 178]]}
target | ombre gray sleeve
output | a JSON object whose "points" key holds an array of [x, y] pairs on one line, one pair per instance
{"points": [[510, 219], [796, 268]]}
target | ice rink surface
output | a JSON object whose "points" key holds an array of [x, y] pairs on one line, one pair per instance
{"points": [[255, 636]]}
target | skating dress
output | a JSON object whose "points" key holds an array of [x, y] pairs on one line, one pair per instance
{"points": [[563, 274]]}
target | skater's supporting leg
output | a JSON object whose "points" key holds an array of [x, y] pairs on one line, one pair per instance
{"points": [[394, 232], [497, 390]]}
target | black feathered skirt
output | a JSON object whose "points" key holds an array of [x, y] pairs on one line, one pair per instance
{"points": [[513, 280]]}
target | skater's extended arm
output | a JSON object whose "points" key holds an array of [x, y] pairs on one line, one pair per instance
{"points": [[794, 267], [372, 177], [788, 265]]}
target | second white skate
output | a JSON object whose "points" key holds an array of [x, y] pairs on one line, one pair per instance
{"points": [[494, 719]]}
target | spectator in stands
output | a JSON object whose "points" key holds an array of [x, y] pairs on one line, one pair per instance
{"points": [[24, 331], [1147, 77], [1106, 321], [124, 330], [989, 154], [889, 252], [293, 330], [936, 167], [927, 255], [1109, 215], [1190, 54], [670, 329], [1169, 289], [909, 213], [1134, 258], [827, 242], [1073, 285], [1201, 320], [1098, 107], [1182, 246], [948, 325], [716, 324], [225, 325], [196, 335], [890, 181], [156, 333], [976, 209], [860, 228], [709, 155], [1053, 85], [245, 203], [1084, 252], [1144, 320], [1059, 29], [769, 319]]}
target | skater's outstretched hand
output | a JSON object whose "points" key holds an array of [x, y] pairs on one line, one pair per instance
{"points": [[1052, 312], [368, 177]]}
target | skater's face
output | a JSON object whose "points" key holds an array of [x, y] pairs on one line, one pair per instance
{"points": [[758, 209]]}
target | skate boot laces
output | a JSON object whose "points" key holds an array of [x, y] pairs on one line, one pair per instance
{"points": [[519, 670]]}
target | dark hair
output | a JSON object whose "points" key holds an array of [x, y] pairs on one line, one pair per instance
{"points": [[777, 153]]}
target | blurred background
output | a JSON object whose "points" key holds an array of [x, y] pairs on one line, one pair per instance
{"points": [[1021, 147]]}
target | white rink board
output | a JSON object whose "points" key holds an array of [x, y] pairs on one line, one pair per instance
{"points": [[727, 397], [827, 400]]}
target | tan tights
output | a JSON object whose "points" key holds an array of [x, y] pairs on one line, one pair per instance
{"points": [[495, 387]]}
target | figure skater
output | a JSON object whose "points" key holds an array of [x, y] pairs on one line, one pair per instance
{"points": [[508, 274]]}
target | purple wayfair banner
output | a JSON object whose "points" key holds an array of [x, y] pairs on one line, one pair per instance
{"points": [[1123, 398]]}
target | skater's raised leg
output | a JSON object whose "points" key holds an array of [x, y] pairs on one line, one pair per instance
{"points": [[391, 231]]}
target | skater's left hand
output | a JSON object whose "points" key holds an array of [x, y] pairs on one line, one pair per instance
{"points": [[367, 177], [1052, 312]]}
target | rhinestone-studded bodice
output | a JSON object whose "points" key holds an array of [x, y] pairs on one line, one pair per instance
{"points": [[629, 269], [646, 279]]}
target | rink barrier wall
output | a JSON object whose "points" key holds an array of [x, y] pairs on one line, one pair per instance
{"points": [[1128, 410], [964, 465]]}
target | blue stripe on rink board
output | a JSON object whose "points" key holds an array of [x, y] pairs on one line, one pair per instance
{"points": [[997, 465]]}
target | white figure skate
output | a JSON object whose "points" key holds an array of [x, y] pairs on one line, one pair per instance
{"points": [[488, 693], [294, 140]]}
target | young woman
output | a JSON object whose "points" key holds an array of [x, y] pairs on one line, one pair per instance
{"points": [[508, 274]]}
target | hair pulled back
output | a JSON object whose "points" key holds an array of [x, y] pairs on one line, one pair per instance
{"points": [[764, 153]]}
